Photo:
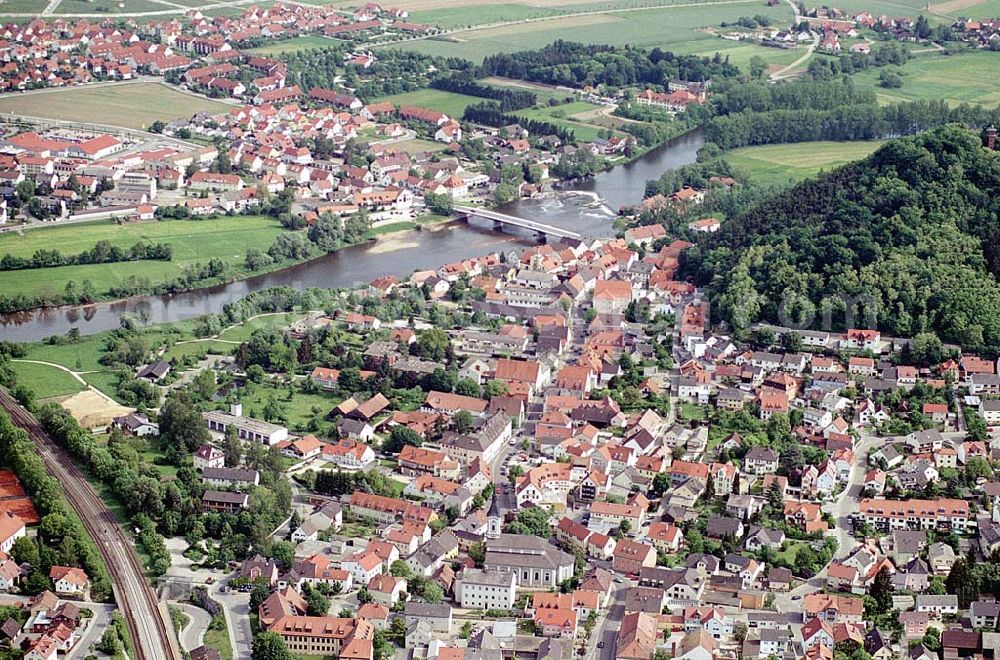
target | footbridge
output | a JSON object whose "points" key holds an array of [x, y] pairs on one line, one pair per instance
{"points": [[501, 219]]}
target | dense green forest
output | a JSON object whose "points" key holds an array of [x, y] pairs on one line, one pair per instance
{"points": [[577, 65], [912, 232]]}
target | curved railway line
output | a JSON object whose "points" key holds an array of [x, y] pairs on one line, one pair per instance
{"points": [[146, 618]]}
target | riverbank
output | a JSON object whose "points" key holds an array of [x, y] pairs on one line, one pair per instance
{"points": [[194, 242]]}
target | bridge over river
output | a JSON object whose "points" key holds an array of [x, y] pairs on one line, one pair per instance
{"points": [[513, 221]]}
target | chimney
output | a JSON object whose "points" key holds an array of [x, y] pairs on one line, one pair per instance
{"points": [[991, 138], [236, 409]]}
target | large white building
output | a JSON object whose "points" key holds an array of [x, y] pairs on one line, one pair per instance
{"points": [[486, 590], [247, 428]]}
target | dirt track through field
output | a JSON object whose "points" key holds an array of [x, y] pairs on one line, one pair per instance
{"points": [[423, 5], [953, 6]]}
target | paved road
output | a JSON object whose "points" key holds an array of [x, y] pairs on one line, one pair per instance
{"points": [[840, 508], [608, 625], [193, 634]]}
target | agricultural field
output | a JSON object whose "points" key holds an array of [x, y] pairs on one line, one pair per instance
{"points": [[784, 163], [738, 52], [965, 78], [25, 6], [228, 238], [466, 15], [133, 105], [662, 27], [566, 115], [110, 7], [449, 103], [971, 8], [294, 45]]}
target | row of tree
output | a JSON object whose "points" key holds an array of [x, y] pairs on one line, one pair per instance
{"points": [[61, 538], [510, 99], [489, 113], [103, 252], [579, 65]]}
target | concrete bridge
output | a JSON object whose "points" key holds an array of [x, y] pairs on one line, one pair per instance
{"points": [[501, 219]]}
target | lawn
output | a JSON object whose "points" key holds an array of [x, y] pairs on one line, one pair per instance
{"points": [[784, 163], [417, 145], [198, 348], [791, 550], [689, 411], [45, 381], [965, 78], [298, 409], [243, 331], [449, 103], [294, 45], [133, 105], [218, 639], [79, 356], [193, 241], [392, 227], [663, 27], [105, 381], [25, 6]]}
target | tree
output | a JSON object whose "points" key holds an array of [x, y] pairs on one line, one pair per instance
{"points": [[432, 344], [534, 520], [110, 643], [365, 596], [661, 483], [232, 447], [881, 591], [318, 604], [890, 79], [181, 424], [399, 437], [258, 595], [433, 593], [932, 639], [494, 388], [25, 550], [504, 194], [514, 472], [269, 646], [463, 421], [400, 568], [962, 583], [442, 204]]}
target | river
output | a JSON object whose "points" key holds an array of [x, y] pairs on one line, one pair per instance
{"points": [[573, 207]]}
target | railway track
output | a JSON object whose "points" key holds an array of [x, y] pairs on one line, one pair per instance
{"points": [[146, 618]]}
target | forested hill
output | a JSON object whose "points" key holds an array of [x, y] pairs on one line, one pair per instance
{"points": [[915, 226]]}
